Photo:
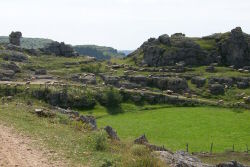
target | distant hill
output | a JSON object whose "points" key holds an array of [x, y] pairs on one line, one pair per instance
{"points": [[29, 43], [99, 52], [126, 52]]}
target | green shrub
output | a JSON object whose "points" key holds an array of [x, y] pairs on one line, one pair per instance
{"points": [[99, 141], [92, 68], [112, 97]]}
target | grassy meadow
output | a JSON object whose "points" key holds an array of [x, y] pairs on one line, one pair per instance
{"points": [[174, 127]]}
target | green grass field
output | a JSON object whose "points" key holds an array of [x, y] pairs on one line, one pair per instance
{"points": [[176, 126]]}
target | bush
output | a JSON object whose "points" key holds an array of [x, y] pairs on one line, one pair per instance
{"points": [[112, 98], [99, 141], [92, 68], [139, 155]]}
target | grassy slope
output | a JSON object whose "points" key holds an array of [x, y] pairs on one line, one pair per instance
{"points": [[174, 127], [70, 139]]}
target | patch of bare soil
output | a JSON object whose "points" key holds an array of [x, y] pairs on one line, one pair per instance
{"points": [[16, 150]]}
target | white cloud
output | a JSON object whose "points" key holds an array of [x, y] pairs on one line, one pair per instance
{"points": [[123, 24]]}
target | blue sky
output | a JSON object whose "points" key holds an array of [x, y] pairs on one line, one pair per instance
{"points": [[123, 24]]}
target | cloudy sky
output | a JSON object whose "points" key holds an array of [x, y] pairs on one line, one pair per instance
{"points": [[123, 24]]}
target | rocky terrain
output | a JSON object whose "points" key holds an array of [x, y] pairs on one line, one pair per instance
{"points": [[226, 49], [175, 71]]}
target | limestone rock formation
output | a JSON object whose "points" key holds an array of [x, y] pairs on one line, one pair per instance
{"points": [[59, 49], [231, 48], [14, 38]]}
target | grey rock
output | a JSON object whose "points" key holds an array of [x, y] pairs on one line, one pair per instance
{"points": [[59, 49], [13, 56], [242, 85], [111, 133], [14, 38], [10, 66], [90, 120], [217, 89], [230, 164], [198, 81], [41, 72]]}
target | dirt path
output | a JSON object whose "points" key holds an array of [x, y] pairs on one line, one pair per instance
{"points": [[17, 151]]}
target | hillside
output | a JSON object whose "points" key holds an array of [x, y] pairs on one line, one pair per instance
{"points": [[99, 52], [29, 43], [226, 49], [117, 113]]}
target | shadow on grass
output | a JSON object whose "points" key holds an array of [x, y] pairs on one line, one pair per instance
{"points": [[115, 110]]}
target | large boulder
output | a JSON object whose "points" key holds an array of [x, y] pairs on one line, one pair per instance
{"points": [[10, 66], [217, 89], [6, 75], [59, 49], [198, 81], [40, 72], [13, 56], [86, 78], [14, 38], [221, 80], [181, 159], [234, 48], [230, 164]]}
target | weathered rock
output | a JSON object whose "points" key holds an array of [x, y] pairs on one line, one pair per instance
{"points": [[141, 140], [234, 48], [44, 113], [198, 81], [90, 120], [13, 56], [111, 80], [40, 72], [7, 73], [14, 38], [164, 39], [242, 85], [230, 164], [86, 78], [10, 66], [217, 89], [181, 159], [222, 80], [60, 49], [111, 133], [210, 69]]}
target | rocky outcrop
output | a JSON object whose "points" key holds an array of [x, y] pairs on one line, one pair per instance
{"points": [[90, 120], [86, 78], [13, 56], [6, 75], [198, 81], [232, 48], [172, 83], [14, 38], [40, 72], [59, 49], [111, 133], [10, 66], [181, 159], [230, 164], [144, 141], [217, 89]]}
